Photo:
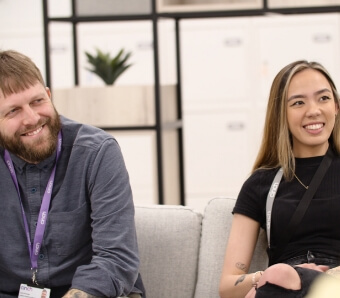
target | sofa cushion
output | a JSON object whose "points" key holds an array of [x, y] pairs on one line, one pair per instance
{"points": [[215, 233], [168, 240]]}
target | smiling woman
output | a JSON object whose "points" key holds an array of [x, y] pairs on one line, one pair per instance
{"points": [[311, 111], [293, 191]]}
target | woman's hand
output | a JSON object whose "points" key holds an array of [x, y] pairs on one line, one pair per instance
{"points": [[75, 293], [321, 268]]}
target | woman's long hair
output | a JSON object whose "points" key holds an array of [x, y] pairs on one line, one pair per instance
{"points": [[276, 147]]}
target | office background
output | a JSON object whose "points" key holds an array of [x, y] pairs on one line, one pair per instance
{"points": [[227, 65]]}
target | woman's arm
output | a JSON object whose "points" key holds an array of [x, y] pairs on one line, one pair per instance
{"points": [[235, 282]]}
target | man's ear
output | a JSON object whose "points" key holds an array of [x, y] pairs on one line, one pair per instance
{"points": [[49, 92]]}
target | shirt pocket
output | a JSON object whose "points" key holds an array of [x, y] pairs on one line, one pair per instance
{"points": [[71, 231]]}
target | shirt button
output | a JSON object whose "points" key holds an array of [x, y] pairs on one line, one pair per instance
{"points": [[41, 256], [33, 189]]}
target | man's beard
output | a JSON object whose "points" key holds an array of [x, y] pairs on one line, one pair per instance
{"points": [[33, 153]]}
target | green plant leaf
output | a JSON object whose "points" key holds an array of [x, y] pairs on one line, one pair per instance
{"points": [[107, 68]]}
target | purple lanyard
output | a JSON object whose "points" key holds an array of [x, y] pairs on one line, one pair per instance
{"points": [[45, 204]]}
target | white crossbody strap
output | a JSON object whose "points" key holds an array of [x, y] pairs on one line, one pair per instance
{"points": [[270, 200]]}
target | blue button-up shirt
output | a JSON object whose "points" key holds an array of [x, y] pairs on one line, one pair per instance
{"points": [[90, 239]]}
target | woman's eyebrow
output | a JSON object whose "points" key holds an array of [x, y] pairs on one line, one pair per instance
{"points": [[324, 90], [296, 96]]}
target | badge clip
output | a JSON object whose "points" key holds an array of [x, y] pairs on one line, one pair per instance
{"points": [[34, 276]]}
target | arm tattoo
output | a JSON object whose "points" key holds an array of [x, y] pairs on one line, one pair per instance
{"points": [[74, 293], [241, 266], [241, 278]]}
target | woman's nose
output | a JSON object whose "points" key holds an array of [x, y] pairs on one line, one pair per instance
{"points": [[313, 110]]}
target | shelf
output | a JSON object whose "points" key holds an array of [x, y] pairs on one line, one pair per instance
{"points": [[301, 3], [179, 6], [121, 106], [112, 7], [155, 109], [104, 18], [206, 5]]}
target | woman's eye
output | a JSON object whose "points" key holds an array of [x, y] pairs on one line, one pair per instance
{"points": [[325, 97], [297, 103]]}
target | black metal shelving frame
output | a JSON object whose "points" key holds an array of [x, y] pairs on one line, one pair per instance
{"points": [[159, 126], [155, 16]]}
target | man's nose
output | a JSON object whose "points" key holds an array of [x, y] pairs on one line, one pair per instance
{"points": [[30, 116]]}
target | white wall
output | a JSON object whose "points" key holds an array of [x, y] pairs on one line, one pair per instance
{"points": [[21, 28], [227, 69]]}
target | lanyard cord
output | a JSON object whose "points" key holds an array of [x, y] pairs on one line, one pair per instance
{"points": [[270, 200], [43, 213]]}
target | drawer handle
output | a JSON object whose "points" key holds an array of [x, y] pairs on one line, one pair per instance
{"points": [[234, 126], [145, 45], [233, 42], [322, 38]]}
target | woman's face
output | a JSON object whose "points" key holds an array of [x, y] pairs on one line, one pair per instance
{"points": [[311, 111]]}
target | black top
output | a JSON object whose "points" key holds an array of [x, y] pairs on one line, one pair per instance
{"points": [[319, 230]]}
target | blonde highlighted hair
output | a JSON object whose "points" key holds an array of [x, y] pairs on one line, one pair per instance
{"points": [[276, 147]]}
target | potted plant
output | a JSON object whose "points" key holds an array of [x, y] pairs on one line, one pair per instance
{"points": [[106, 67], [111, 105]]}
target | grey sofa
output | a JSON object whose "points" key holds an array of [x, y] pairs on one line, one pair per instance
{"points": [[182, 250]]}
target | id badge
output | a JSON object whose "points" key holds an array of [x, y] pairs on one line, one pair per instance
{"points": [[33, 292]]}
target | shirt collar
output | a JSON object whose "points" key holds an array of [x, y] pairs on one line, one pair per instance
{"points": [[45, 165]]}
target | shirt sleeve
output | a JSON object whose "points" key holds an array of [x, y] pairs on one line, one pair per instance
{"points": [[252, 198], [114, 266]]}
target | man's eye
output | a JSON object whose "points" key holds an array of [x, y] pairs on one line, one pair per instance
{"points": [[11, 112], [37, 101]]}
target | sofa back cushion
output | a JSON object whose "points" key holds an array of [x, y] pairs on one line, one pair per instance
{"points": [[215, 233], [168, 240]]}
